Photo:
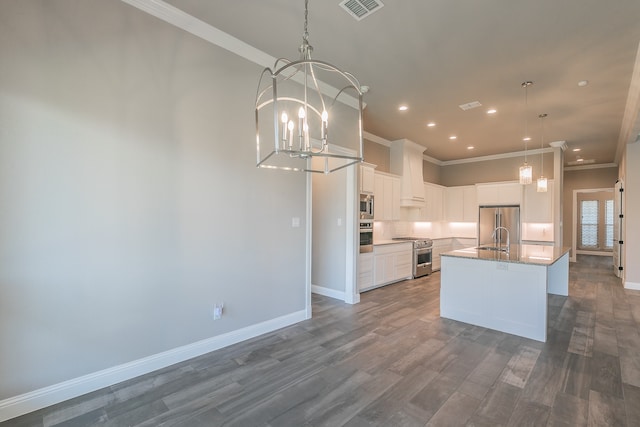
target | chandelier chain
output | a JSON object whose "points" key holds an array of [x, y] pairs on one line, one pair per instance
{"points": [[305, 35]]}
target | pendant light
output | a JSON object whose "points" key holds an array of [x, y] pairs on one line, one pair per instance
{"points": [[542, 181], [526, 171], [295, 111]]}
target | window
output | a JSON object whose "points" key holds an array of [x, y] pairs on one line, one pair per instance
{"points": [[589, 224], [595, 227]]}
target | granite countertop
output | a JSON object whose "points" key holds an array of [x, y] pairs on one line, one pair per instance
{"points": [[523, 254]]}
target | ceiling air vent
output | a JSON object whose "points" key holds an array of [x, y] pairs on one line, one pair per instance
{"points": [[360, 9], [469, 105]]}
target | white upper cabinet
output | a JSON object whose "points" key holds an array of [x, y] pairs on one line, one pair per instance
{"points": [[434, 202], [508, 193], [538, 207], [366, 178], [386, 197], [461, 204]]}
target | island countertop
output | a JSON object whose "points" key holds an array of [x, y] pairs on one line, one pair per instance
{"points": [[523, 254]]}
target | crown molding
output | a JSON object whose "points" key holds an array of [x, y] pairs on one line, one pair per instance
{"points": [[585, 167], [189, 23], [378, 140]]}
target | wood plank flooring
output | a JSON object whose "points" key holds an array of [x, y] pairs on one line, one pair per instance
{"points": [[392, 361]]}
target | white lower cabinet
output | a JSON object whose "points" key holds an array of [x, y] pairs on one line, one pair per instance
{"points": [[391, 263], [365, 271], [439, 246]]}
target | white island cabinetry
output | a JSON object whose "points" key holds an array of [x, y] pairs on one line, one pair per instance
{"points": [[505, 291]]}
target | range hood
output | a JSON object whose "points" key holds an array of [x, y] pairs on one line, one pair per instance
{"points": [[406, 161]]}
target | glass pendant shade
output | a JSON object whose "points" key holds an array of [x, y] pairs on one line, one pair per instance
{"points": [[542, 185], [526, 174]]}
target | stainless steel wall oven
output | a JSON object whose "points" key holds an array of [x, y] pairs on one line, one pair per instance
{"points": [[366, 236]]}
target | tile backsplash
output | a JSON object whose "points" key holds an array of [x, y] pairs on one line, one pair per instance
{"points": [[386, 230]]}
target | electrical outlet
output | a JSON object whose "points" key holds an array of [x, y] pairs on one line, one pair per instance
{"points": [[217, 310]]}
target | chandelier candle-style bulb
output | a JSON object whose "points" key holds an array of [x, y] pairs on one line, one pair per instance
{"points": [[290, 126], [285, 120], [325, 119], [300, 121], [307, 145]]}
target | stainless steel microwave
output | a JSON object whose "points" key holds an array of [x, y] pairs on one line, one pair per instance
{"points": [[366, 206]]}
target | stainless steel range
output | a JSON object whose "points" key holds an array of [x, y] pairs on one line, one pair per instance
{"points": [[422, 250]]}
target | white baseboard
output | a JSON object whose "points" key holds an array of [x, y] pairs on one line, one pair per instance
{"points": [[632, 285], [327, 292], [47, 396]]}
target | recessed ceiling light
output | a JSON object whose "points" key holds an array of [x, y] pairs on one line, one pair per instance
{"points": [[577, 149], [471, 147], [403, 108], [492, 111], [431, 124], [526, 138], [583, 83], [452, 137]]}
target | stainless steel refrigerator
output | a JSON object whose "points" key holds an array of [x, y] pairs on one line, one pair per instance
{"points": [[492, 217]]}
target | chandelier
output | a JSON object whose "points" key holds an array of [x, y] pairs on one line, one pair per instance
{"points": [[526, 171], [542, 181], [299, 112]]}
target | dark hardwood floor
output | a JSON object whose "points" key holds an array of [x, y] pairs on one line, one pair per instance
{"points": [[392, 361]]}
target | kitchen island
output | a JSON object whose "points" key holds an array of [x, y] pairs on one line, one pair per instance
{"points": [[505, 291]]}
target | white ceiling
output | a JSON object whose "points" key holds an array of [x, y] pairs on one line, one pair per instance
{"points": [[434, 55]]}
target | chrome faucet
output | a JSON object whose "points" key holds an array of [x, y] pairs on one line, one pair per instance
{"points": [[495, 238]]}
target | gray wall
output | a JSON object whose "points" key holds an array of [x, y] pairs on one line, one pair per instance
{"points": [[129, 197], [581, 180], [431, 172], [378, 155], [329, 239]]}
